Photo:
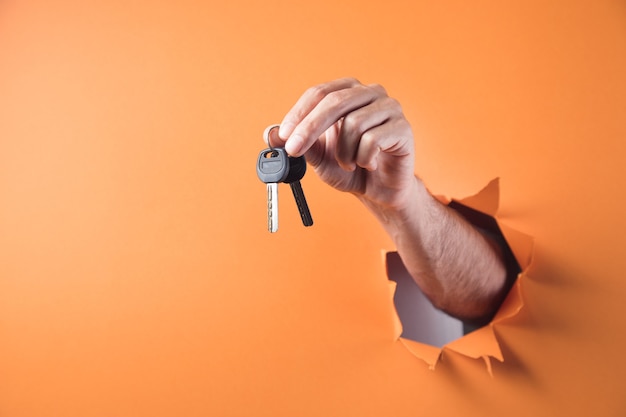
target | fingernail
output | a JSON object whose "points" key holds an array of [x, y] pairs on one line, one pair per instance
{"points": [[294, 145], [285, 130]]}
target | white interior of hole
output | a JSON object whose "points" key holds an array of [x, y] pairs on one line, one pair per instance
{"points": [[421, 321]]}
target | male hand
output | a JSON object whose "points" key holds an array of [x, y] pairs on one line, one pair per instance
{"points": [[355, 137]]}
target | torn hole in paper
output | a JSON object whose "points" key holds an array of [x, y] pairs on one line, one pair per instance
{"points": [[425, 331]]}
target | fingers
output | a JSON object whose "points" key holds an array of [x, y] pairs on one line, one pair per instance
{"points": [[308, 101], [347, 121], [357, 132], [393, 137], [319, 108]]}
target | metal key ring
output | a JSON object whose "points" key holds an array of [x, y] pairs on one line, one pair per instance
{"points": [[266, 134]]}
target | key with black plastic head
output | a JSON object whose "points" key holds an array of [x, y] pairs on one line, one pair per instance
{"points": [[297, 169]]}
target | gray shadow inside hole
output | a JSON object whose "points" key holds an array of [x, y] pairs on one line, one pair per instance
{"points": [[421, 321]]}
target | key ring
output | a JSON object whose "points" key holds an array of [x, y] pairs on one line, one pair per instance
{"points": [[267, 132]]}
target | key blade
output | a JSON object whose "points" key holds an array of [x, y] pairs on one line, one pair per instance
{"points": [[272, 207], [303, 207]]}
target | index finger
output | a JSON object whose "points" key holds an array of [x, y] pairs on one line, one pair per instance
{"points": [[329, 110], [307, 102]]}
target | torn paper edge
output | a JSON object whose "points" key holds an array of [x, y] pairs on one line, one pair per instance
{"points": [[481, 343]]}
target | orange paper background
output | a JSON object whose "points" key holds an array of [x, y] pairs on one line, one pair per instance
{"points": [[136, 273]]}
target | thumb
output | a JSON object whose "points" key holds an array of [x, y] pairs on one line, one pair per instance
{"points": [[271, 138]]}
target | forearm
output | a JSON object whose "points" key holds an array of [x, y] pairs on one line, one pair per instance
{"points": [[456, 267]]}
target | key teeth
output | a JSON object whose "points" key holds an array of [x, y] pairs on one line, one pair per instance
{"points": [[272, 207]]}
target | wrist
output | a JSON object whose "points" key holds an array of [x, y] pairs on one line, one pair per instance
{"points": [[398, 211]]}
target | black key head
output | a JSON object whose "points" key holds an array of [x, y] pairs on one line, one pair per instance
{"points": [[297, 169]]}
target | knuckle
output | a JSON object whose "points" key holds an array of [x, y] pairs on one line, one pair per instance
{"points": [[378, 88], [335, 98], [392, 104], [352, 122], [402, 129], [368, 139], [352, 81], [317, 93]]}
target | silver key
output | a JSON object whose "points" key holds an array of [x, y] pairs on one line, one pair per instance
{"points": [[272, 167], [272, 207]]}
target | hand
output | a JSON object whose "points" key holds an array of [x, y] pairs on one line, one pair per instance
{"points": [[355, 137]]}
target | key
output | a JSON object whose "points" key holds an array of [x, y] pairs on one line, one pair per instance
{"points": [[272, 167], [297, 169]]}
